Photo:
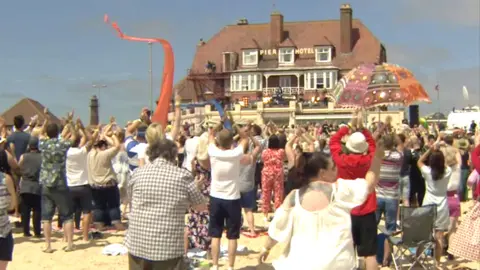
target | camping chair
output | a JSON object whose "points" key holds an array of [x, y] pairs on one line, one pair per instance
{"points": [[415, 235]]}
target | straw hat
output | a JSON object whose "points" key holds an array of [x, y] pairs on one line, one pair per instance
{"points": [[462, 144]]}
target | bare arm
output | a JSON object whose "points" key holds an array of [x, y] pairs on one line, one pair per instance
{"points": [[11, 190], [373, 173], [178, 118]]}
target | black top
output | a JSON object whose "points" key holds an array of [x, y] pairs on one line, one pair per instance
{"points": [[407, 156], [465, 159], [416, 177]]}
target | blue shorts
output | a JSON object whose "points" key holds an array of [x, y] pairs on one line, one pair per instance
{"points": [[248, 199]]}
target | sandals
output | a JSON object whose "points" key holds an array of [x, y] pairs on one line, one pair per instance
{"points": [[69, 249], [47, 250]]}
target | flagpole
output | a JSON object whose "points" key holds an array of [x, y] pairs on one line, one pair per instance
{"points": [[437, 88]]}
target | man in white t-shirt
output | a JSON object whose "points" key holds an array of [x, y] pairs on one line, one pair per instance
{"points": [[77, 181], [225, 207], [191, 147]]}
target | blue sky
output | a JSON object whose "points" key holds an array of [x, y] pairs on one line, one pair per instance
{"points": [[53, 50]]}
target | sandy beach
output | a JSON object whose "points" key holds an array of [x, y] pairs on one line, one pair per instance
{"points": [[28, 254]]}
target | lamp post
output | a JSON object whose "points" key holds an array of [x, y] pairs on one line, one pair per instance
{"points": [[151, 75], [99, 87]]}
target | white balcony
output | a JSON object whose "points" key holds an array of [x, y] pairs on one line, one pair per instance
{"points": [[286, 90]]}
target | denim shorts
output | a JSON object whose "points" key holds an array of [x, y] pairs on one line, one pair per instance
{"points": [[388, 207], [56, 198], [106, 204], [405, 187], [248, 199]]}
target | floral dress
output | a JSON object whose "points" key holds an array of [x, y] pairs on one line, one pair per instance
{"points": [[197, 223]]}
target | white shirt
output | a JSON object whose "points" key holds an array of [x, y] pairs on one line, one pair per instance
{"points": [[191, 147], [225, 170], [326, 232], [76, 166], [141, 150]]}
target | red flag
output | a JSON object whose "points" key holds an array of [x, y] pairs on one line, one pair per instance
{"points": [[437, 87]]}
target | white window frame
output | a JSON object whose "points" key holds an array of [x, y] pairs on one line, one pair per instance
{"points": [[246, 54], [245, 82], [311, 78], [286, 51], [323, 50]]}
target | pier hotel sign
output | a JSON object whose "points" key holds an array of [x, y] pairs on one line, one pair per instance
{"points": [[297, 51]]}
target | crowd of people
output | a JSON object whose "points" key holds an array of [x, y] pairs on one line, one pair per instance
{"points": [[184, 186]]}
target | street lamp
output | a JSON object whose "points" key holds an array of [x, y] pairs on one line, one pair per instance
{"points": [[98, 87], [151, 75]]}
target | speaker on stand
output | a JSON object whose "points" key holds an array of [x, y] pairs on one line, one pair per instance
{"points": [[413, 114]]}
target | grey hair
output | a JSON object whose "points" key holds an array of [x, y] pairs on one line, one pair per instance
{"points": [[162, 148]]}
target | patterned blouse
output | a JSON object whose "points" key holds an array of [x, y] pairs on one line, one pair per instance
{"points": [[54, 156]]}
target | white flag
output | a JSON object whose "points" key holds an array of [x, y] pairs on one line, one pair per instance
{"points": [[465, 92]]}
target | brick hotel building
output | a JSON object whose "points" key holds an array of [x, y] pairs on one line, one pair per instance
{"points": [[247, 62]]}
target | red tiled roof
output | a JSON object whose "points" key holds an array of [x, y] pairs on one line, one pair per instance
{"points": [[28, 108], [288, 42], [251, 43], [234, 38]]}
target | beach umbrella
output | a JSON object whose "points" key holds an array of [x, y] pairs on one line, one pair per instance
{"points": [[372, 86]]}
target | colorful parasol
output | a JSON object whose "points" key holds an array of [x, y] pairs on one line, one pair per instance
{"points": [[370, 86]]}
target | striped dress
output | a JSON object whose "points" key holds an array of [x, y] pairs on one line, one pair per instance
{"points": [[388, 186]]}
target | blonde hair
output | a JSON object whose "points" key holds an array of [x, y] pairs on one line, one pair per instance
{"points": [[154, 133]]}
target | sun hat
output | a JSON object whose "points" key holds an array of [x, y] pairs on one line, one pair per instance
{"points": [[357, 143], [198, 130], [462, 144]]}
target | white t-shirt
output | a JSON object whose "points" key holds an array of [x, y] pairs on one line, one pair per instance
{"points": [[191, 147], [141, 150], [76, 166], [225, 170]]}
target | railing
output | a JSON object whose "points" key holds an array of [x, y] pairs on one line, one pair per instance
{"points": [[269, 91]]}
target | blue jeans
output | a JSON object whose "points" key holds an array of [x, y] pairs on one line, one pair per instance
{"points": [[388, 207], [106, 204]]}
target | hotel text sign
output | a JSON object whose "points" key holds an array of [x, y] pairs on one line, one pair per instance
{"points": [[297, 51]]}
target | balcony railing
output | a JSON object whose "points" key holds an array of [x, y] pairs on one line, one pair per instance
{"points": [[269, 91]]}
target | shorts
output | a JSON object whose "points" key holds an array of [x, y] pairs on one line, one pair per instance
{"points": [[137, 263], [248, 199], [453, 201], [388, 208], [405, 187], [6, 248], [56, 198], [225, 212], [364, 232], [82, 198]]}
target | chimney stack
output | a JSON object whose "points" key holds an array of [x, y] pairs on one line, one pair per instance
{"points": [[276, 29], [346, 28], [94, 111]]}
